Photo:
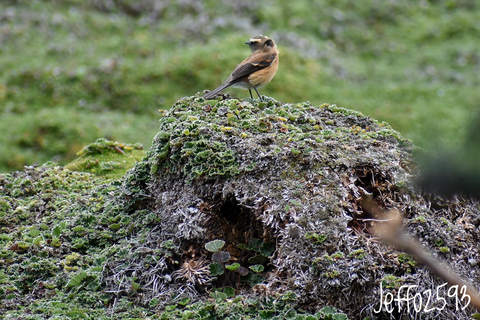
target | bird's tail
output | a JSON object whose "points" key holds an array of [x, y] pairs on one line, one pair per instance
{"points": [[212, 93]]}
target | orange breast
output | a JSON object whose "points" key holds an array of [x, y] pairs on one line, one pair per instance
{"points": [[262, 77]]}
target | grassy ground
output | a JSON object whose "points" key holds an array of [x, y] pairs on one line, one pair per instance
{"points": [[74, 71]]}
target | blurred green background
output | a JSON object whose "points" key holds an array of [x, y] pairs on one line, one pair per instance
{"points": [[73, 71]]}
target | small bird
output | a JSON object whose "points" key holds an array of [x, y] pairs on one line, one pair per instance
{"points": [[255, 71]]}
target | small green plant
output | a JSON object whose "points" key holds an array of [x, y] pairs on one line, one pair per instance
{"points": [[359, 254], [337, 255], [256, 248], [420, 219], [391, 282], [316, 238], [327, 258], [218, 257], [406, 258], [444, 249]]}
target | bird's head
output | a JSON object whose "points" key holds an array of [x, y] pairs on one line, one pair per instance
{"points": [[261, 43]]}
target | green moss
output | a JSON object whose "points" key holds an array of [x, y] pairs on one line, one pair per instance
{"points": [[316, 238], [420, 219], [391, 282], [337, 255], [193, 134], [444, 249], [358, 254], [108, 159]]}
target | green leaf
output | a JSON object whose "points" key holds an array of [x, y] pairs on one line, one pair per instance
{"points": [[254, 278], [78, 229], [168, 244], [329, 312], [76, 314], [34, 233], [254, 244], [289, 296], [266, 314], [215, 245], [295, 151], [316, 238], [153, 303], [37, 241], [115, 226], [257, 268], [233, 266], [77, 279], [229, 291], [258, 259], [218, 295], [57, 231], [135, 285], [216, 269], [267, 249]]}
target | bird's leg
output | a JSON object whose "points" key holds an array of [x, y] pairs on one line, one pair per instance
{"points": [[257, 93], [251, 96]]}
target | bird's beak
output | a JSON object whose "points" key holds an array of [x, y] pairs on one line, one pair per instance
{"points": [[248, 42]]}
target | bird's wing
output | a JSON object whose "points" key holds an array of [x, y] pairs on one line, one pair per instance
{"points": [[248, 67]]}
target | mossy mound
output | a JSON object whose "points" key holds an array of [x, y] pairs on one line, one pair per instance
{"points": [[72, 242], [241, 208], [279, 185]]}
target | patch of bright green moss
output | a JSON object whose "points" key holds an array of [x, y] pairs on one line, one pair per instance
{"points": [[108, 159]]}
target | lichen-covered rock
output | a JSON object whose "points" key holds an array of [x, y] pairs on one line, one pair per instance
{"points": [[279, 184]]}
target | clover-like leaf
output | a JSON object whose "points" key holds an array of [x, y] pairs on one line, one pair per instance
{"points": [[221, 256], [243, 271], [229, 291], [254, 244], [218, 295], [233, 266], [258, 259], [216, 269], [215, 245], [257, 268], [254, 278], [267, 249], [77, 279]]}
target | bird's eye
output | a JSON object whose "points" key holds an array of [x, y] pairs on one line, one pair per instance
{"points": [[269, 43]]}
